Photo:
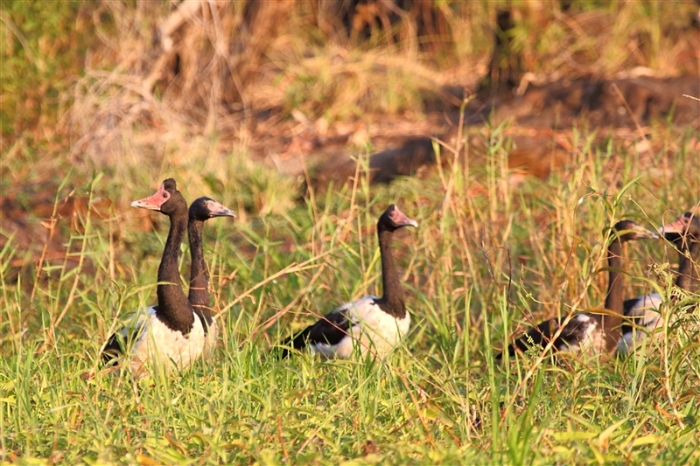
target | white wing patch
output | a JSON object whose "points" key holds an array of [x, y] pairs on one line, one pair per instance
{"points": [[593, 341], [646, 318], [646, 311], [371, 330], [590, 339]]}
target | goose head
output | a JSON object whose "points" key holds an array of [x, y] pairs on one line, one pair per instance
{"points": [[167, 199], [686, 226], [205, 208], [392, 219]]}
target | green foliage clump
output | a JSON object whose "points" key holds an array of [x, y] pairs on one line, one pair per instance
{"points": [[43, 49]]}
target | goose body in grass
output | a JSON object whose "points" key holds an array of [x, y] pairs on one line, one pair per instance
{"points": [[170, 334], [587, 332], [200, 211], [368, 325], [643, 311], [642, 320]]}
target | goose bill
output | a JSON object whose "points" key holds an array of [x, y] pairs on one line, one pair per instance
{"points": [[218, 210], [154, 201], [676, 227], [399, 218], [642, 233]]}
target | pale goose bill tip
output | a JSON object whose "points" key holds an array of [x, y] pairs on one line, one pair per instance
{"points": [[639, 232], [219, 210], [401, 219]]}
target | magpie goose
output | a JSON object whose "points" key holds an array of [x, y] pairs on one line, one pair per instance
{"points": [[642, 318], [171, 333], [200, 211], [588, 332], [369, 324]]}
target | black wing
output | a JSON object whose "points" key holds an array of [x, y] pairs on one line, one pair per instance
{"points": [[541, 335], [119, 342], [115, 347], [536, 336], [630, 321], [632, 303], [329, 329]]}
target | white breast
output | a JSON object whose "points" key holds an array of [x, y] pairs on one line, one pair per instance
{"points": [[372, 331], [158, 346]]}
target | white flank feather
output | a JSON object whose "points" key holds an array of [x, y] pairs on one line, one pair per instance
{"points": [[371, 330], [645, 318]]}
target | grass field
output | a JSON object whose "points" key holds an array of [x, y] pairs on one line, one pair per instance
{"points": [[482, 264], [489, 258]]}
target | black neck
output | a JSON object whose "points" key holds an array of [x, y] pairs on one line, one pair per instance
{"points": [[392, 302], [173, 308], [686, 256], [199, 275], [614, 301]]}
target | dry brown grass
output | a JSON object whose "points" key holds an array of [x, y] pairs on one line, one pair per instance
{"points": [[177, 89], [212, 68]]}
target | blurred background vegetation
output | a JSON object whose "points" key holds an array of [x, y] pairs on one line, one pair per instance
{"points": [[218, 68]]}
